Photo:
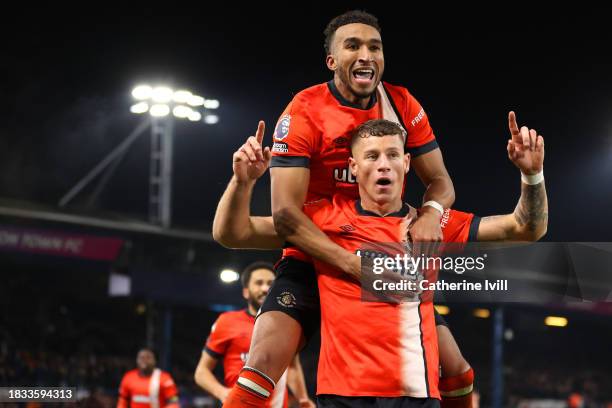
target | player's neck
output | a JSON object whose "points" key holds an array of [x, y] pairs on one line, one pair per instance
{"points": [[251, 310], [349, 96], [146, 373], [381, 208]]}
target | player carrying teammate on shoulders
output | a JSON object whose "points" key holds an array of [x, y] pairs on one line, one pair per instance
{"points": [[310, 161]]}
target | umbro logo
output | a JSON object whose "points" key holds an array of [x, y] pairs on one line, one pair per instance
{"points": [[347, 228]]}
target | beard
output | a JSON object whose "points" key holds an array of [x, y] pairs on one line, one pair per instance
{"points": [[148, 370], [254, 303]]}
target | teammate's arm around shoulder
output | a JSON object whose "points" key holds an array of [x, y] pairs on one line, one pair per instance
{"points": [[439, 188], [233, 226], [529, 221], [289, 188], [428, 164]]}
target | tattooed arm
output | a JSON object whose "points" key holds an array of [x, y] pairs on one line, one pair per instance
{"points": [[529, 220]]}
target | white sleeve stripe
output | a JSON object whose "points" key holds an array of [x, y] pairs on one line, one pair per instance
{"points": [[252, 385]]}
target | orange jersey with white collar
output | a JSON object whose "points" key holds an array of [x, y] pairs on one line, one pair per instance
{"points": [[375, 348], [315, 131]]}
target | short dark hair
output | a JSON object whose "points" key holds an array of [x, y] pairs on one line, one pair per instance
{"points": [[350, 17], [376, 128], [149, 349], [245, 276]]}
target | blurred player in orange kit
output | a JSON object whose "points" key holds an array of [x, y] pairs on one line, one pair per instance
{"points": [[371, 361], [147, 386], [230, 338]]}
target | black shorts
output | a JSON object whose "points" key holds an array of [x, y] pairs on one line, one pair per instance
{"points": [[295, 292], [336, 401]]}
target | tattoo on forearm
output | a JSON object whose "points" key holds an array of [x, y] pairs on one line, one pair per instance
{"points": [[532, 209]]}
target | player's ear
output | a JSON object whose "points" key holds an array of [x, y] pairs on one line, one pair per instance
{"points": [[353, 166], [245, 293], [406, 163], [330, 61]]}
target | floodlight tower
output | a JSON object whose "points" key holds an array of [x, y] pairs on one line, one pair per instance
{"points": [[163, 105]]}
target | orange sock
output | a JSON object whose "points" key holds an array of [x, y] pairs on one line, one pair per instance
{"points": [[456, 391], [253, 389]]}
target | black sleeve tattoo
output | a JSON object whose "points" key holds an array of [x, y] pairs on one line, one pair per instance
{"points": [[532, 208]]}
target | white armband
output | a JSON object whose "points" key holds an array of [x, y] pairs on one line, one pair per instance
{"points": [[532, 179], [436, 205]]}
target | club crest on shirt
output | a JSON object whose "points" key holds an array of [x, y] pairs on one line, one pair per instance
{"points": [[286, 299], [282, 127]]}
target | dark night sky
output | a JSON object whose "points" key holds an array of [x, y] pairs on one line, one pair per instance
{"points": [[66, 94]]}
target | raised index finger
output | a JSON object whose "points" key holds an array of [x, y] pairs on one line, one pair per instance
{"points": [[261, 129], [513, 126]]}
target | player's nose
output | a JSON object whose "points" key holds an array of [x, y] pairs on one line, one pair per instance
{"points": [[365, 56], [383, 164]]}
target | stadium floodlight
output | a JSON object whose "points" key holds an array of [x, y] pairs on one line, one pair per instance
{"points": [[182, 97], [159, 110], [182, 111], [211, 104], [161, 101], [140, 107], [195, 100], [211, 119], [229, 276], [443, 310], [195, 116], [482, 313], [555, 321], [162, 94], [142, 92]]}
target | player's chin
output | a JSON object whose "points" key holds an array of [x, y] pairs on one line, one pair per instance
{"points": [[384, 189], [364, 91]]}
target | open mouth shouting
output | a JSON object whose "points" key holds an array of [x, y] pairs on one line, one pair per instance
{"points": [[364, 76], [383, 182]]}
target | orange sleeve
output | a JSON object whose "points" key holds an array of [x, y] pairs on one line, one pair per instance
{"points": [[421, 138], [318, 211], [219, 338], [459, 226], [168, 391], [295, 136], [124, 393]]}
